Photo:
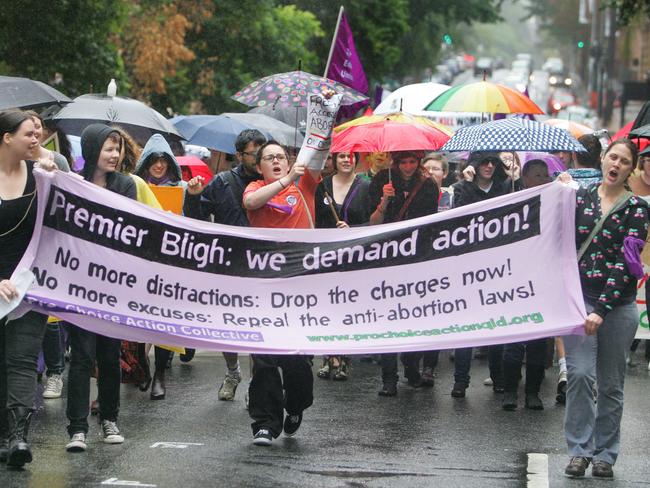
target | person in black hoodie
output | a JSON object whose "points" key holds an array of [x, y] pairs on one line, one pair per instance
{"points": [[100, 147], [399, 193], [490, 181]]}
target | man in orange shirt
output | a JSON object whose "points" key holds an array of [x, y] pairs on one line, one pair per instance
{"points": [[277, 202]]}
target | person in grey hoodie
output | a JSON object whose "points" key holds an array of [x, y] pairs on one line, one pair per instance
{"points": [[158, 166]]}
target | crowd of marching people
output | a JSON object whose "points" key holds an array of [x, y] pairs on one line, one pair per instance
{"points": [[610, 214]]}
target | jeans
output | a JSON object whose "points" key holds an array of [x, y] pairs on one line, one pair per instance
{"points": [[410, 360], [593, 430], [84, 348], [266, 398], [20, 344], [463, 363], [53, 348]]}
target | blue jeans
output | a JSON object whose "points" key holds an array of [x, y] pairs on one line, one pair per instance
{"points": [[593, 430]]}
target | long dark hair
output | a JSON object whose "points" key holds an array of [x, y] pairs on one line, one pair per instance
{"points": [[627, 143], [10, 121]]}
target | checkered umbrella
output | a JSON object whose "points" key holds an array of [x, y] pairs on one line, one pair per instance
{"points": [[513, 134]]}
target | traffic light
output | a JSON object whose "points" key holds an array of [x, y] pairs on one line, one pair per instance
{"points": [[581, 44], [447, 39]]}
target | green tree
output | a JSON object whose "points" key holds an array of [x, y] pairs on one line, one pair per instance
{"points": [[74, 38], [629, 10]]}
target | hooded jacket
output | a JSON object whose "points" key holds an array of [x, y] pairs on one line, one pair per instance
{"points": [[467, 192], [92, 140], [155, 147]]}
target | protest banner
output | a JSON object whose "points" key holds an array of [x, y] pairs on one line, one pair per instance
{"points": [[321, 114], [500, 271]]}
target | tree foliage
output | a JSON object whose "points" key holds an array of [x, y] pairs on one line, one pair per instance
{"points": [[629, 10]]}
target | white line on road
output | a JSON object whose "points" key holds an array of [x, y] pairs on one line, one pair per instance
{"points": [[118, 482], [537, 471]]}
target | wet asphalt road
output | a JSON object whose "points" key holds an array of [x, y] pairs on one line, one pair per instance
{"points": [[349, 438]]}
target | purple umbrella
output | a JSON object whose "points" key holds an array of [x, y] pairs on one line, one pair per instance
{"points": [[555, 164]]}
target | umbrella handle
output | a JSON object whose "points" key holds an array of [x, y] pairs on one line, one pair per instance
{"points": [[330, 204]]}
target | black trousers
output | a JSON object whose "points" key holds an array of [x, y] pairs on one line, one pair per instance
{"points": [[269, 394], [513, 357], [411, 363], [85, 347], [463, 363]]}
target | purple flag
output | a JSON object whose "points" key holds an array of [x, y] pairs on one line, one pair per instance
{"points": [[345, 65]]}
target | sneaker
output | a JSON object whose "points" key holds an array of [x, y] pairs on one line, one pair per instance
{"points": [[458, 391], [340, 375], [263, 437], [509, 401], [560, 397], [534, 402], [576, 467], [488, 382], [324, 372], [229, 387], [601, 469], [77, 443], [427, 377], [292, 424], [53, 386], [111, 433], [187, 356]]}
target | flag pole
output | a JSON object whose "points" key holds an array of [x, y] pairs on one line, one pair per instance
{"points": [[336, 33]]}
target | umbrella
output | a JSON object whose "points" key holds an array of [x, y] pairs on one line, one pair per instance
{"points": [[212, 131], [138, 119], [555, 164], [387, 136], [575, 129], [25, 93], [292, 89], [411, 98], [293, 116], [395, 117], [283, 133], [219, 132], [486, 97], [642, 132], [512, 134]]}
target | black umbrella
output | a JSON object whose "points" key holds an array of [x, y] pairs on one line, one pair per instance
{"points": [[25, 93], [135, 117], [642, 132]]}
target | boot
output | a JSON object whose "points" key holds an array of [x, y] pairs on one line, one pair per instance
{"points": [[158, 386], [4, 434], [19, 452]]}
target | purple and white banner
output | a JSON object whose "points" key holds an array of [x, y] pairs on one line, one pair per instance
{"points": [[501, 271]]}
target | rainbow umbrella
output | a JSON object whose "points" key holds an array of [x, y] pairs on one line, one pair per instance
{"points": [[573, 128], [400, 117], [486, 97]]}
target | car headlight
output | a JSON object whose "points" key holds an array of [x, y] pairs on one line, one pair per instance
{"points": [[568, 81], [552, 80], [557, 105]]}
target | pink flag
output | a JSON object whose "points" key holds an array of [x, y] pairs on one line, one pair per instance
{"points": [[344, 65]]}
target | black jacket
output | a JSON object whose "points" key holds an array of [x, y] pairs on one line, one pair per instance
{"points": [[424, 203], [354, 209], [467, 192]]}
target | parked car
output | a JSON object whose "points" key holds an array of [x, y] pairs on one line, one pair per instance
{"points": [[483, 65]]}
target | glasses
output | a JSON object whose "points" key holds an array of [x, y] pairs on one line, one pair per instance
{"points": [[270, 157], [252, 154]]}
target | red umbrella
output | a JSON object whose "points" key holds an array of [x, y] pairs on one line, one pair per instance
{"points": [[192, 166], [388, 136], [625, 132]]}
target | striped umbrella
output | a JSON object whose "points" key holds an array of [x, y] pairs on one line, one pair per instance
{"points": [[486, 97]]}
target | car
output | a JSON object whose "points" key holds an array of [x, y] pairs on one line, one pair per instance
{"points": [[554, 66], [560, 99], [522, 65], [443, 74], [484, 65]]}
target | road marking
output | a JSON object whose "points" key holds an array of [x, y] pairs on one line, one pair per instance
{"points": [[118, 482], [537, 471], [174, 445]]}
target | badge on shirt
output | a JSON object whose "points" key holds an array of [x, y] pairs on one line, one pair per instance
{"points": [[327, 201], [292, 200]]}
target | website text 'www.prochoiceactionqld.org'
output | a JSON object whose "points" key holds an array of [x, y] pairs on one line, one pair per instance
{"points": [[535, 317]]}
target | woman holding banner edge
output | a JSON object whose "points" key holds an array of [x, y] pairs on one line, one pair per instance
{"points": [[21, 338], [611, 227]]}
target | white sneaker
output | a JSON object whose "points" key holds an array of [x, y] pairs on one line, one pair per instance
{"points": [[53, 386], [111, 433], [488, 382], [77, 443]]}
